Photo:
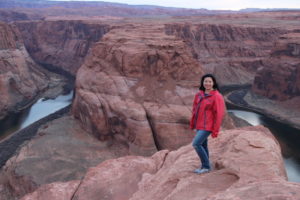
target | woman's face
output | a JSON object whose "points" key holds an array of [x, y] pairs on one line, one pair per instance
{"points": [[208, 83]]}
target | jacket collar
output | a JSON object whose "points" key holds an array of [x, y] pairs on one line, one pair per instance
{"points": [[211, 93]]}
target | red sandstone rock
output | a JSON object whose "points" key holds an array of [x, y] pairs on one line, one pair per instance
{"points": [[247, 161], [280, 78], [233, 52], [263, 191], [21, 79], [119, 99], [62, 151], [60, 45], [54, 191], [137, 85], [117, 179]]}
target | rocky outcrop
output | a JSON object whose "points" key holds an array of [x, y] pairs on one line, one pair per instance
{"points": [[280, 78], [137, 86], [247, 161], [60, 151], [21, 79], [61, 45], [232, 52]]}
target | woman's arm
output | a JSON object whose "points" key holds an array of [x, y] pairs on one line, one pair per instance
{"points": [[193, 112], [219, 109]]}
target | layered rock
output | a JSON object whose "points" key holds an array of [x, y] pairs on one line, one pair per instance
{"points": [[61, 45], [280, 78], [21, 79], [247, 161], [136, 87], [232, 52]]}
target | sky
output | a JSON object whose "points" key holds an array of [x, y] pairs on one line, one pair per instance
{"points": [[214, 4]]}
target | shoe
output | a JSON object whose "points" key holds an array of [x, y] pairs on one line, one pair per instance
{"points": [[201, 171]]}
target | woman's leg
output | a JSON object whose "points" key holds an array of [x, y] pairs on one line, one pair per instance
{"points": [[206, 147], [202, 151]]}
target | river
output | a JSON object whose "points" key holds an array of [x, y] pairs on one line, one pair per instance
{"points": [[38, 110], [288, 138]]}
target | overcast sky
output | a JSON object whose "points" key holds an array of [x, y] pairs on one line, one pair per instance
{"points": [[215, 4]]}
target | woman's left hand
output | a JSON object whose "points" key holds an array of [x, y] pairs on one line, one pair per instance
{"points": [[214, 135]]}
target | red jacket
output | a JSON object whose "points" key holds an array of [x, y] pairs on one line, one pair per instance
{"points": [[208, 112]]}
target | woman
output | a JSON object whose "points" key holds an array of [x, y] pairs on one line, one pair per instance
{"points": [[208, 111]]}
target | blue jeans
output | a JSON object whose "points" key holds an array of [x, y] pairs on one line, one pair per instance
{"points": [[200, 145]]}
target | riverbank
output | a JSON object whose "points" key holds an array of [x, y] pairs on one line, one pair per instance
{"points": [[283, 112], [11, 144]]}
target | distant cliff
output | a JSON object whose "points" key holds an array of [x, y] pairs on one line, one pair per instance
{"points": [[280, 78], [232, 52], [93, 8]]}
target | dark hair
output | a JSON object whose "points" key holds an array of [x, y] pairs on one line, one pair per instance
{"points": [[215, 86]]}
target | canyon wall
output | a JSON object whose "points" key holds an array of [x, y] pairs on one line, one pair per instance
{"points": [[21, 79], [7, 15], [247, 50], [279, 79], [61, 45], [232, 52], [134, 92]]}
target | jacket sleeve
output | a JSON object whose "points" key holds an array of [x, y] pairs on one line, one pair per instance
{"points": [[193, 113], [219, 110]]}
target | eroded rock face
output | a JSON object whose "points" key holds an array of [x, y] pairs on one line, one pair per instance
{"points": [[61, 46], [137, 86], [247, 161], [280, 78], [232, 52], [21, 79]]}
